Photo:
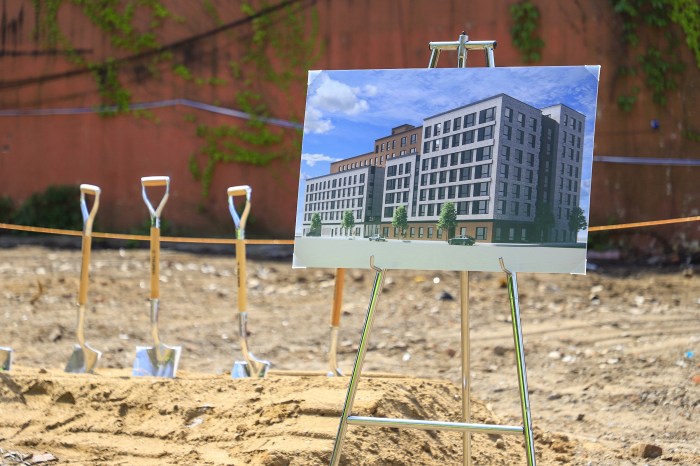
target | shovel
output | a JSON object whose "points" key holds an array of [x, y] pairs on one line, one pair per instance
{"points": [[335, 323], [5, 358], [84, 358], [252, 366], [159, 360]]}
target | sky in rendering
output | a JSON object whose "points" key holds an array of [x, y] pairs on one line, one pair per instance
{"points": [[347, 110]]}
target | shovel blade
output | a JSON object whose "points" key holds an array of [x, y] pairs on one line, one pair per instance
{"points": [[241, 369], [83, 360], [160, 361], [5, 358]]}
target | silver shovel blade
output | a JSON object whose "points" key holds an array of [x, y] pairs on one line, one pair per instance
{"points": [[5, 358], [159, 361], [83, 361], [241, 369]]}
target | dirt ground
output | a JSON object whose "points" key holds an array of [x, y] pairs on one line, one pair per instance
{"points": [[613, 361]]}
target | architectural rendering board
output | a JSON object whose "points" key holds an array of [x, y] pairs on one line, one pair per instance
{"points": [[447, 169]]}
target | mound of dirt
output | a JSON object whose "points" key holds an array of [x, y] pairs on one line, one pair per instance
{"points": [[284, 419]]}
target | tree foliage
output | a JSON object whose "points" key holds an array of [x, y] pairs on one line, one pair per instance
{"points": [[348, 220], [316, 225], [400, 220], [448, 219], [577, 220]]}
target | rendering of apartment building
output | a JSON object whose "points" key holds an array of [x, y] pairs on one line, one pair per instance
{"points": [[513, 172], [403, 140]]}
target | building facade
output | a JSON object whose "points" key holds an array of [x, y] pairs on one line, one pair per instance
{"points": [[512, 171]]}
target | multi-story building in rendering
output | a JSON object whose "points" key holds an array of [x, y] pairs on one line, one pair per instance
{"points": [[512, 171], [404, 139]]}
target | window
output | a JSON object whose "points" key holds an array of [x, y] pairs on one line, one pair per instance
{"points": [[521, 119], [403, 141], [504, 170], [465, 173], [505, 152], [423, 194], [433, 178], [482, 171], [389, 198], [430, 232], [502, 189], [532, 123], [469, 120], [420, 232], [488, 114], [427, 132], [515, 208], [443, 176], [531, 159], [518, 173], [485, 133], [481, 189], [436, 129], [501, 207], [400, 169], [446, 142], [457, 123], [436, 145], [382, 149], [464, 190], [391, 171], [466, 156], [455, 140], [518, 156], [446, 127], [480, 207], [481, 232], [431, 194], [451, 192], [507, 132], [443, 161], [453, 175], [483, 153], [413, 232], [463, 208], [454, 158], [520, 136], [385, 232], [508, 114], [388, 211], [531, 140], [433, 163], [431, 209], [468, 137], [413, 138]]}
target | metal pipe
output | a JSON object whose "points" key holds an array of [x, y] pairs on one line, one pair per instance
{"points": [[520, 363], [434, 425], [359, 360], [466, 366]]}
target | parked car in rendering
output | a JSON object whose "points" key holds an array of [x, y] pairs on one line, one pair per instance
{"points": [[463, 240], [377, 238]]}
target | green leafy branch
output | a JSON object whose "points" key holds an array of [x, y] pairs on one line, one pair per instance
{"points": [[524, 32]]}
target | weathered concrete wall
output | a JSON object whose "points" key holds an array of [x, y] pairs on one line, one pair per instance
{"points": [[39, 151]]}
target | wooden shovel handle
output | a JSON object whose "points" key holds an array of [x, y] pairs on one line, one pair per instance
{"points": [[85, 270], [155, 263], [337, 297], [241, 276]]}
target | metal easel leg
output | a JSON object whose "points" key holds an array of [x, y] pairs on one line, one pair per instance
{"points": [[466, 367], [520, 362], [357, 368]]}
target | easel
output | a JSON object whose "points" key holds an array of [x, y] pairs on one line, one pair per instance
{"points": [[466, 427]]}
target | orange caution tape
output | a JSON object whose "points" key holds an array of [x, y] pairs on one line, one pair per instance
{"points": [[169, 239], [173, 239], [644, 224]]}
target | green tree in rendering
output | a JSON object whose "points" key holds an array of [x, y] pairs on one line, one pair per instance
{"points": [[400, 220], [315, 228], [577, 220], [348, 221], [448, 219]]}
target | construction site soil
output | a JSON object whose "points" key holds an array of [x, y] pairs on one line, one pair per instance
{"points": [[613, 364]]}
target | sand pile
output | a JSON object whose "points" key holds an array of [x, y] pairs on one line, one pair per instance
{"points": [[113, 419]]}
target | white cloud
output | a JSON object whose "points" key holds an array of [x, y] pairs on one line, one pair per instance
{"points": [[313, 159], [315, 123], [336, 97]]}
